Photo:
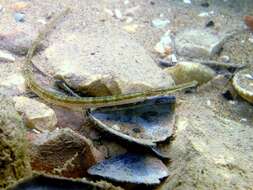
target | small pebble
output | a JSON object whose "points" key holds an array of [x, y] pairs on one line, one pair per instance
{"points": [[109, 11], [243, 120], [228, 95], [129, 20], [6, 57], [210, 23], [163, 47], [116, 127], [165, 63], [225, 59], [187, 1], [203, 14], [19, 17], [251, 40], [118, 14], [136, 130], [42, 21], [126, 2], [232, 102], [131, 28], [158, 23], [205, 4], [173, 58]]}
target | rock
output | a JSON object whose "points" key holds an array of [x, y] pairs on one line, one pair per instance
{"points": [[164, 46], [13, 85], [6, 56], [130, 28], [17, 42], [158, 23], [187, 1], [129, 20], [210, 24], [20, 6], [248, 20], [184, 72], [63, 152], [19, 17], [36, 114], [118, 14], [131, 11], [203, 14], [196, 43], [210, 153], [14, 159], [225, 58], [99, 68], [251, 39]]}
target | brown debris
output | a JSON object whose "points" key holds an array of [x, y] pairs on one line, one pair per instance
{"points": [[63, 152], [248, 20]]}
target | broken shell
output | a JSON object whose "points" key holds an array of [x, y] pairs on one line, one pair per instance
{"points": [[243, 84], [131, 168], [145, 123], [189, 71], [47, 182]]}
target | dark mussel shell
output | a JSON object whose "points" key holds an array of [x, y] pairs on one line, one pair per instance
{"points": [[145, 123], [131, 168], [46, 182]]}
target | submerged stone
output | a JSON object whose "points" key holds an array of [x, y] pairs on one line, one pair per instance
{"points": [[98, 68], [197, 43]]}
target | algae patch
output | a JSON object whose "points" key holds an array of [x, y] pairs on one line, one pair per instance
{"points": [[14, 160]]}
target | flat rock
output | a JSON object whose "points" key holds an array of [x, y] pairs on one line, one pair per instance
{"points": [[109, 62], [36, 114], [63, 152], [210, 153], [196, 43], [12, 85]]}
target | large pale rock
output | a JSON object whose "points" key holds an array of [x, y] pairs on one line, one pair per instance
{"points": [[211, 153], [13, 84], [36, 114], [197, 43], [14, 159], [104, 62]]}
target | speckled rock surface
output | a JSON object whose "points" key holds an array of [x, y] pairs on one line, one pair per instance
{"points": [[37, 115], [14, 160], [13, 84], [109, 62], [63, 152]]}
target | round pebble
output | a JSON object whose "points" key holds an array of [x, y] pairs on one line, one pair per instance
{"points": [[19, 17]]}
